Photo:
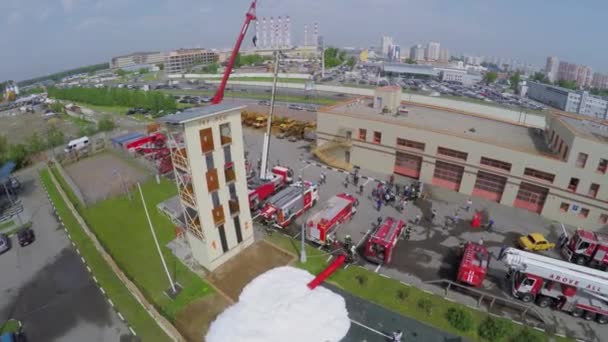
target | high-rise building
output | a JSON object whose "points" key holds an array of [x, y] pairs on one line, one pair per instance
{"points": [[444, 55], [207, 151], [385, 43], [432, 51], [417, 52], [584, 76], [600, 81]]}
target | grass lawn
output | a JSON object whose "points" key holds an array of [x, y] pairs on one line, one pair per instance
{"points": [[150, 76], [10, 326], [127, 305], [391, 294], [18, 228], [7, 224], [243, 95]]}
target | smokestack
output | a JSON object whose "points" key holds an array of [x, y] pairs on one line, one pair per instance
{"points": [[288, 32], [305, 35], [315, 36]]}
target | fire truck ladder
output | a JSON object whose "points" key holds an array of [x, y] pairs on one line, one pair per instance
{"points": [[284, 197]]}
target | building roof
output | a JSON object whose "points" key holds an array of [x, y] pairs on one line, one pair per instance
{"points": [[6, 170], [196, 113], [138, 54], [449, 121], [588, 129], [414, 69]]}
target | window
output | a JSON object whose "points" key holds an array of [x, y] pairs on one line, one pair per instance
{"points": [[362, 134], [556, 141], [564, 207], [223, 238], [561, 145], [593, 190], [496, 163], [227, 154], [603, 219], [573, 184], [237, 227], [541, 175], [209, 161], [215, 198], [565, 155], [411, 144], [584, 213], [225, 133], [377, 137], [581, 160], [602, 166], [452, 153]]}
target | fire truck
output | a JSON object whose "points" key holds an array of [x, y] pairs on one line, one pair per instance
{"points": [[261, 189], [290, 203], [586, 248], [578, 290], [474, 264], [379, 247], [338, 209]]}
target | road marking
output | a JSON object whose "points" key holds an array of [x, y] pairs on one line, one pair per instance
{"points": [[378, 268], [384, 275], [253, 218], [78, 251], [427, 291], [539, 329], [321, 246], [369, 328], [367, 181], [302, 169], [516, 322], [121, 317], [110, 301], [83, 261], [95, 280], [404, 283], [450, 300], [329, 258], [561, 335], [132, 331], [89, 269], [102, 290], [297, 235], [345, 267], [73, 244]]}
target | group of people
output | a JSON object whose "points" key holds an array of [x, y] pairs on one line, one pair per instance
{"points": [[391, 192]]}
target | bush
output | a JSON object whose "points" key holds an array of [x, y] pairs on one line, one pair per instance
{"points": [[403, 294], [106, 124], [493, 329], [425, 305], [361, 279], [526, 335], [459, 319]]}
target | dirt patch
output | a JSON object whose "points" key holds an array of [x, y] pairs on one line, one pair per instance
{"points": [[18, 127], [104, 175], [194, 320], [256, 259]]}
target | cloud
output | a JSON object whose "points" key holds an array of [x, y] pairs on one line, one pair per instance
{"points": [[68, 5]]}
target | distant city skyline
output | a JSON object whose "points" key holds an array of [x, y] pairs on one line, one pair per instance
{"points": [[45, 36]]}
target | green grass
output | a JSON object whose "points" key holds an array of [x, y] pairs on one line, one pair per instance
{"points": [[393, 295], [10, 326], [7, 224], [127, 305], [150, 76], [16, 229], [246, 95], [68, 191]]}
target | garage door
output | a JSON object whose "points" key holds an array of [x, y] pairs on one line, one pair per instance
{"points": [[531, 197], [489, 186], [408, 165], [448, 175]]}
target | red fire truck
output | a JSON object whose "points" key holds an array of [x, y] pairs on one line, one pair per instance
{"points": [[587, 248], [260, 190], [338, 209], [474, 264], [290, 203], [379, 247], [578, 290]]}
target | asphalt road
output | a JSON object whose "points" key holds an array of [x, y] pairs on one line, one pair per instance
{"points": [[46, 285]]}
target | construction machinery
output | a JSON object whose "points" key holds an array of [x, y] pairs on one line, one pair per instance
{"points": [[290, 203], [321, 227], [379, 247], [474, 264], [261, 189], [260, 121], [578, 290], [586, 248]]}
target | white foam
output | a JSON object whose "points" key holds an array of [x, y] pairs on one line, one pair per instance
{"points": [[278, 306]]}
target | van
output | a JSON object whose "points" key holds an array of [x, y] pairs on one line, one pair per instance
{"points": [[77, 144]]}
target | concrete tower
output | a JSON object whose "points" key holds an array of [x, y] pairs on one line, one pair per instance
{"points": [[287, 40], [305, 35], [264, 37], [271, 32], [315, 35], [279, 32]]}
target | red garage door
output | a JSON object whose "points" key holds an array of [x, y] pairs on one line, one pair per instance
{"points": [[531, 197], [408, 165], [448, 175], [489, 186]]}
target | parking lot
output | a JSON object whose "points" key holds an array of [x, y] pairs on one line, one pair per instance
{"points": [[431, 252]]}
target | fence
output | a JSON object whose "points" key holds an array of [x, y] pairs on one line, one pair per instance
{"points": [[70, 182]]}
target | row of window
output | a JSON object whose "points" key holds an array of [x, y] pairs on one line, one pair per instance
{"points": [[581, 212]]}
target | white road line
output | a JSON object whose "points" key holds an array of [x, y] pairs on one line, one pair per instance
{"points": [[561, 335], [369, 328], [329, 258], [367, 181], [121, 317], [111, 303], [406, 284], [516, 322], [377, 268], [320, 247], [83, 261], [253, 218], [302, 169], [132, 331], [384, 275], [102, 290], [427, 291], [539, 329], [89, 269], [345, 267]]}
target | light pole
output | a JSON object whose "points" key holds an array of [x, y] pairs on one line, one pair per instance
{"points": [[303, 228]]}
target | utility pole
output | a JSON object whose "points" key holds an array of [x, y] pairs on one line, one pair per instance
{"points": [[266, 146], [303, 228], [323, 60]]}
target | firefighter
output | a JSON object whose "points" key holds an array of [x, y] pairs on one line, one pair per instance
{"points": [[348, 241], [396, 336], [322, 178], [346, 182], [361, 189]]}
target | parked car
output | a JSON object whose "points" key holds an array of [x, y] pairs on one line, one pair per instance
{"points": [[282, 135], [295, 107], [264, 103], [534, 242], [25, 236], [5, 243]]}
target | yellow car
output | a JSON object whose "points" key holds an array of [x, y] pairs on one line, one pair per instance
{"points": [[534, 242]]}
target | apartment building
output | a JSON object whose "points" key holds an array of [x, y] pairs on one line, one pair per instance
{"points": [[209, 164], [182, 60], [137, 59], [558, 172]]}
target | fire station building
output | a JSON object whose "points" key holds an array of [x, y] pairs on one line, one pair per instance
{"points": [[558, 172]]}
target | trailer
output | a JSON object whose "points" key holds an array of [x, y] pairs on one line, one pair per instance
{"points": [[586, 248], [262, 189], [379, 247], [290, 203], [321, 227], [578, 290], [473, 265], [155, 139]]}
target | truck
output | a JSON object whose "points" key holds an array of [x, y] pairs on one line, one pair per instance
{"points": [[586, 248], [77, 144], [379, 247], [290, 203], [473, 264], [578, 290], [260, 122], [320, 228], [262, 189]]}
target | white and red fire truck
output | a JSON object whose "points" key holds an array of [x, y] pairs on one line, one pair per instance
{"points": [[338, 209], [261, 189], [290, 203], [474, 264], [379, 247], [578, 290], [587, 248]]}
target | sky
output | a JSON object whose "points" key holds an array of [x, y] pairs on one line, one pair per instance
{"points": [[45, 36]]}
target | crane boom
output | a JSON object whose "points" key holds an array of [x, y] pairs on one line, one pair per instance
{"points": [[584, 278], [219, 94]]}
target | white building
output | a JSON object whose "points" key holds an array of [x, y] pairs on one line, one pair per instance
{"points": [[417, 52], [444, 55], [458, 76], [432, 51], [580, 102], [209, 165], [385, 43], [136, 59]]}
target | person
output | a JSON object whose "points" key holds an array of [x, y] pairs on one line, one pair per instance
{"points": [[469, 204], [379, 221], [397, 336], [346, 182], [490, 224], [361, 189], [456, 218], [433, 214], [379, 203], [356, 179], [417, 219]]}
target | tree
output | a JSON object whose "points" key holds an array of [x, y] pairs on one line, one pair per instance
{"points": [[142, 71], [490, 77], [211, 68], [492, 329], [514, 79], [540, 77], [35, 143], [54, 137], [567, 84], [121, 72], [333, 57], [410, 61], [161, 66], [57, 107], [237, 61], [18, 153], [351, 62], [106, 124]]}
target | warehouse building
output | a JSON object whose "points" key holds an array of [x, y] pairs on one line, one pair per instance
{"points": [[182, 60], [137, 59], [568, 100], [558, 172]]}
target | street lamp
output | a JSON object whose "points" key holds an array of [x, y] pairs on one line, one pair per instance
{"points": [[303, 227]]}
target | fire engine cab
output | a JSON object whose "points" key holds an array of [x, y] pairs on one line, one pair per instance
{"points": [[290, 203], [474, 264], [379, 247], [587, 248], [338, 209], [578, 290]]}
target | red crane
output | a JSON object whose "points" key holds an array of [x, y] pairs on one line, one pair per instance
{"points": [[219, 94]]}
